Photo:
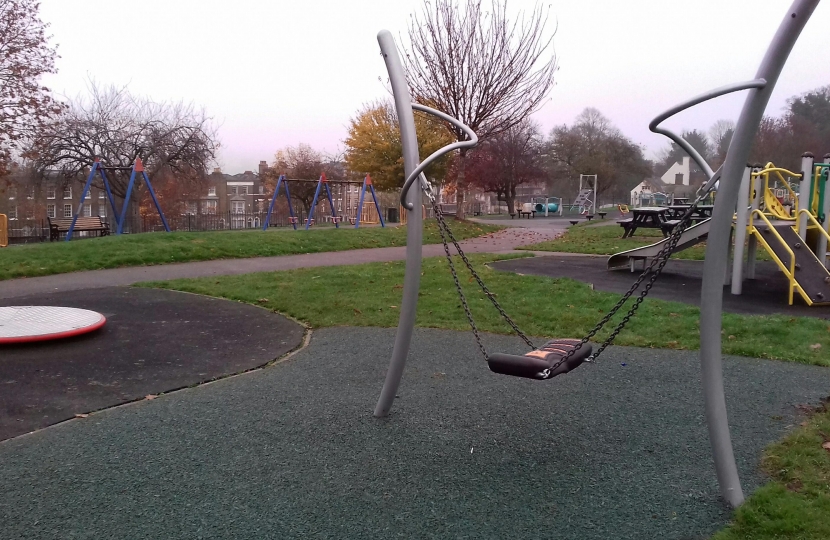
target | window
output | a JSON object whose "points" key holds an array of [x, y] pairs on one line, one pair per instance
{"points": [[243, 190], [212, 191], [50, 193], [12, 194], [261, 189], [50, 210], [67, 210], [191, 208], [102, 210], [210, 207], [30, 213], [67, 192], [13, 212], [101, 194], [238, 207], [30, 194], [233, 190], [87, 210]]}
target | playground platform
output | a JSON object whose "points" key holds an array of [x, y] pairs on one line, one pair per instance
{"points": [[153, 341], [617, 449]]}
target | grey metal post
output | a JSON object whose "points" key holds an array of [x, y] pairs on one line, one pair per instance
{"points": [[821, 253], [740, 232], [718, 244], [805, 188], [414, 225], [752, 245]]}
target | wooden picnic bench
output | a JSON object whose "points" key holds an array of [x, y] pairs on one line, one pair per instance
{"points": [[83, 224]]}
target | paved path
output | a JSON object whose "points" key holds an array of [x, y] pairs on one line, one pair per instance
{"points": [[614, 450], [499, 242]]}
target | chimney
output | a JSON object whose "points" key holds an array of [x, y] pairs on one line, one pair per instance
{"points": [[263, 167], [217, 170]]}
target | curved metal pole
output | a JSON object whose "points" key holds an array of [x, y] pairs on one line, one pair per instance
{"points": [[683, 143], [717, 247], [469, 143], [414, 227]]}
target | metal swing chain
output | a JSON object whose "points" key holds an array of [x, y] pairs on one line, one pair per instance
{"points": [[445, 231], [659, 261]]}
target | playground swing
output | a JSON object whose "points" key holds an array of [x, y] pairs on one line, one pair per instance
{"points": [[560, 355]]}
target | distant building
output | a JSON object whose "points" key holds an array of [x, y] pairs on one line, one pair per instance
{"points": [[677, 181]]}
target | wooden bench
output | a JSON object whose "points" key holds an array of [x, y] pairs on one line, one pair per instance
{"points": [[668, 226], [83, 224], [522, 214], [626, 224]]}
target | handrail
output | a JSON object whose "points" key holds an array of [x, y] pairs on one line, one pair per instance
{"points": [[814, 221], [789, 272], [680, 141], [469, 143], [771, 168]]}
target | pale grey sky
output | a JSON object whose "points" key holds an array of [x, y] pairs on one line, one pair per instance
{"points": [[280, 73]]}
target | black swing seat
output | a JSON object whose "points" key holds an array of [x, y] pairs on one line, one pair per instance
{"points": [[538, 364]]}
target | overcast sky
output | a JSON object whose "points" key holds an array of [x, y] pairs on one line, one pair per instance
{"points": [[283, 72]]}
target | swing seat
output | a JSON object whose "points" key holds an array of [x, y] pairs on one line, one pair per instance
{"points": [[538, 364]]}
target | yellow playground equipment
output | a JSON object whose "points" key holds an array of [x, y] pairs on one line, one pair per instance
{"points": [[791, 225]]}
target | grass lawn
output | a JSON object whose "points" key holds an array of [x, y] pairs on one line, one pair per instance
{"points": [[369, 295], [796, 502], [162, 248], [606, 240]]}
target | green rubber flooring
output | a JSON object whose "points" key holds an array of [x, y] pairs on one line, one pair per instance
{"points": [[292, 451]]}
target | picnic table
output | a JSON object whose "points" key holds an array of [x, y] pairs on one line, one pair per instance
{"points": [[650, 217], [701, 211]]}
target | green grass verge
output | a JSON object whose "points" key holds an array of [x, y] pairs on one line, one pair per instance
{"points": [[796, 503], [164, 248], [606, 240], [369, 295]]}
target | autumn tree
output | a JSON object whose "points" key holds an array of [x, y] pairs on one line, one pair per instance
{"points": [[25, 56], [479, 66], [506, 161], [720, 136], [176, 141], [373, 145], [593, 145]]}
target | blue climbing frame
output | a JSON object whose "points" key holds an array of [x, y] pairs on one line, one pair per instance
{"points": [[138, 167], [283, 181], [320, 183], [367, 183], [99, 169]]}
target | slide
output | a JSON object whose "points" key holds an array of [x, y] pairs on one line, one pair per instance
{"points": [[690, 237]]}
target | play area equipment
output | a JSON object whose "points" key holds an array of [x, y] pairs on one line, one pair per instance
{"points": [[100, 170], [560, 356], [25, 324], [547, 205], [362, 215], [770, 213]]}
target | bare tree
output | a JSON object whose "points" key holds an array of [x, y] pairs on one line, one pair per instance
{"points": [[24, 57], [302, 162], [176, 141], [593, 145], [506, 161], [489, 72]]}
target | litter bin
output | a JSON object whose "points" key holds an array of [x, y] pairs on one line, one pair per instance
{"points": [[392, 215]]}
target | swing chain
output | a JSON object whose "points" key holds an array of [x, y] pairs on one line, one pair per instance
{"points": [[445, 231], [653, 270]]}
